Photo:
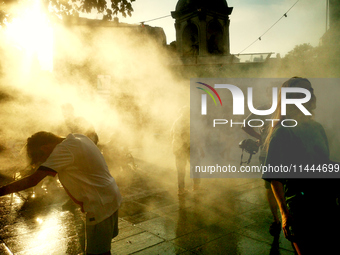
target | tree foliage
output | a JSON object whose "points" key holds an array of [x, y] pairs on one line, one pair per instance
{"points": [[301, 53], [63, 8], [107, 7], [308, 61], [303, 60]]}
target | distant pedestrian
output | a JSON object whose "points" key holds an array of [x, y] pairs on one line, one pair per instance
{"points": [[180, 134], [78, 125]]}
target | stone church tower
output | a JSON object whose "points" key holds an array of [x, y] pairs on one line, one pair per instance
{"points": [[202, 28]]}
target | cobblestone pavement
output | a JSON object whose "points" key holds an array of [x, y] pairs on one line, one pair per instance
{"points": [[230, 216]]}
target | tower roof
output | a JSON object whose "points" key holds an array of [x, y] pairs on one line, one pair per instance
{"points": [[220, 6]]}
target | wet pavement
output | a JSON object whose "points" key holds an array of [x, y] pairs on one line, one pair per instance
{"points": [[230, 216]]}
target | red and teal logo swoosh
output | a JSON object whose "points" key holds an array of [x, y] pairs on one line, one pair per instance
{"points": [[208, 92]]}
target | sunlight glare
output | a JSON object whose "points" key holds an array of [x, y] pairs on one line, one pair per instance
{"points": [[32, 33]]}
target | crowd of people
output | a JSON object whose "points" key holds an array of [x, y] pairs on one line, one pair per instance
{"points": [[309, 213]]}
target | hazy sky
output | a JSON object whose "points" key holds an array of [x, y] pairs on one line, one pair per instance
{"points": [[306, 22]]}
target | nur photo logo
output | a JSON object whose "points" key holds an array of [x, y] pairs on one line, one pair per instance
{"points": [[204, 97], [239, 101]]}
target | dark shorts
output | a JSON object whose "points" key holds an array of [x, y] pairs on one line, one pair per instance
{"points": [[99, 236]]}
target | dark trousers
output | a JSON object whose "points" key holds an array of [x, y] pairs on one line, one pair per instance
{"points": [[182, 158], [316, 226]]}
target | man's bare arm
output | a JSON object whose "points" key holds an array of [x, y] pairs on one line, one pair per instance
{"points": [[24, 183], [278, 191]]}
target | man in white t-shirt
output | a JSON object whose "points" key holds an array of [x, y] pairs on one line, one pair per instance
{"points": [[84, 174]]}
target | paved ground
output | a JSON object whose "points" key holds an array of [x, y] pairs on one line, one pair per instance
{"points": [[230, 217]]}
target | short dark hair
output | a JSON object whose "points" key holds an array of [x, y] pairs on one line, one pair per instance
{"points": [[37, 140]]}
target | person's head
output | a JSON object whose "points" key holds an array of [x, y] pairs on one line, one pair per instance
{"points": [[40, 145], [292, 111], [300, 83]]}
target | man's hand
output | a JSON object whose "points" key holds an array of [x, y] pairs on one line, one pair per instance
{"points": [[287, 223]]}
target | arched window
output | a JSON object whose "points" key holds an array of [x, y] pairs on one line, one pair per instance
{"points": [[215, 38], [190, 42]]}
